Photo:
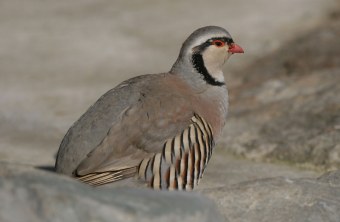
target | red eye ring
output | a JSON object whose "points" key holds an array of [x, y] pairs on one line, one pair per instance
{"points": [[218, 43]]}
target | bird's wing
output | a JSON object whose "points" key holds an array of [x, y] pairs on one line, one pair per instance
{"points": [[178, 165], [140, 131]]}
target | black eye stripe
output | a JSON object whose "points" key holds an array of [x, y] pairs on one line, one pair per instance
{"points": [[223, 39], [203, 46]]}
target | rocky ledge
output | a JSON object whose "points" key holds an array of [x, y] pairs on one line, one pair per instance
{"points": [[28, 194], [281, 199]]}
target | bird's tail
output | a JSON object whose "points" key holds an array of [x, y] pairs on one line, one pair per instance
{"points": [[98, 179]]}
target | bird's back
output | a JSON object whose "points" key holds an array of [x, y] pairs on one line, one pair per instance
{"points": [[91, 128]]}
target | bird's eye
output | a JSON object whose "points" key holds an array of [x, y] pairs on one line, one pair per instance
{"points": [[218, 43]]}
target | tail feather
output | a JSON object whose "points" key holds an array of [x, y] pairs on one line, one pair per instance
{"points": [[98, 179]]}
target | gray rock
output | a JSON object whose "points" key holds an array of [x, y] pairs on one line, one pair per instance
{"points": [[281, 199], [287, 105], [332, 178], [225, 170], [34, 195]]}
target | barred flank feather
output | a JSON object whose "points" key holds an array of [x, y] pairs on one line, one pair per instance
{"points": [[183, 159]]}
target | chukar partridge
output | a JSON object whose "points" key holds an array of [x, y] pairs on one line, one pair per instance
{"points": [[159, 128]]}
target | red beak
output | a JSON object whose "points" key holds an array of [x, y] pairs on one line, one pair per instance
{"points": [[234, 48]]}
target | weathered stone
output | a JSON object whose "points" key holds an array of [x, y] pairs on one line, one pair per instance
{"points": [[281, 199], [332, 178], [34, 195]]}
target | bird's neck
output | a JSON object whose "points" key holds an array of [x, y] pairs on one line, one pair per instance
{"points": [[213, 95], [196, 74]]}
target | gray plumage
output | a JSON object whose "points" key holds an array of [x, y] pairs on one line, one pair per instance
{"points": [[134, 121]]}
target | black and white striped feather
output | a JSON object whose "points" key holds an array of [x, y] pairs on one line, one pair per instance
{"points": [[181, 164]]}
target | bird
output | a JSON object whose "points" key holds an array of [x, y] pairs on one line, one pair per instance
{"points": [[158, 128]]}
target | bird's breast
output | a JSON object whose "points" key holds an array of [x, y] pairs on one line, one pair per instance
{"points": [[213, 107]]}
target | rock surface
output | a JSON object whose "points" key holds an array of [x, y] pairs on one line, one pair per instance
{"points": [[281, 199], [28, 194], [32, 195]]}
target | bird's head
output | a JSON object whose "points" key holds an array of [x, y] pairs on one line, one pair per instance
{"points": [[205, 51]]}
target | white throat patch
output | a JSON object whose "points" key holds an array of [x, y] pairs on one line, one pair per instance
{"points": [[214, 58]]}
